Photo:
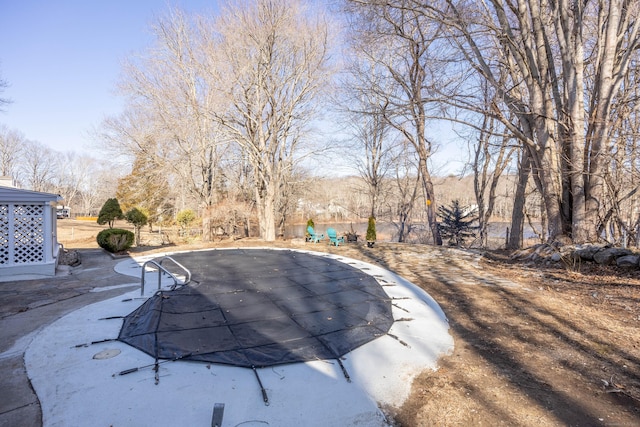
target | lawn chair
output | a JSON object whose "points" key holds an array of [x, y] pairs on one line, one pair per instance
{"points": [[313, 237], [333, 237]]}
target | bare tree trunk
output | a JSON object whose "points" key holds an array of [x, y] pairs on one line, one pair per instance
{"points": [[517, 214], [207, 234], [266, 216], [406, 207], [429, 193]]}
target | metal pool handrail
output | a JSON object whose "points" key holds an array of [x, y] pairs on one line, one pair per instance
{"points": [[188, 273], [161, 269]]}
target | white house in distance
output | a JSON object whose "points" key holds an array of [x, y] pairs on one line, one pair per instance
{"points": [[28, 231]]}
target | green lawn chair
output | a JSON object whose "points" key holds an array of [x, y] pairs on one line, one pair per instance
{"points": [[313, 236], [333, 237]]}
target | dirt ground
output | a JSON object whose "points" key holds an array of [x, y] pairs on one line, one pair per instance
{"points": [[557, 347], [562, 349]]}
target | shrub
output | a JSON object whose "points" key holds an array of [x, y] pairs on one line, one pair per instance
{"points": [[185, 218], [115, 240], [311, 224]]}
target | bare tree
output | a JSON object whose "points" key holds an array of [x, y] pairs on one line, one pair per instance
{"points": [[375, 146], [619, 214], [97, 185], [11, 146], [206, 85], [399, 40], [71, 176], [270, 68], [561, 57], [407, 186], [33, 165], [39, 166], [492, 154], [3, 86], [364, 101], [168, 120]]}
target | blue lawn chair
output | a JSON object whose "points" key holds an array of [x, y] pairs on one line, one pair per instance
{"points": [[313, 236], [333, 237]]}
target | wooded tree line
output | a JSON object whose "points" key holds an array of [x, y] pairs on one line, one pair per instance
{"points": [[550, 84], [82, 180], [223, 113]]}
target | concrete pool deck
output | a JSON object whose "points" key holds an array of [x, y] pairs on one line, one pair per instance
{"points": [[78, 383]]}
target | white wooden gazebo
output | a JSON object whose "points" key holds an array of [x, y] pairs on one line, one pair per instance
{"points": [[28, 232]]}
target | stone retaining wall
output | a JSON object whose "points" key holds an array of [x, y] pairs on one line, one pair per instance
{"points": [[571, 254]]}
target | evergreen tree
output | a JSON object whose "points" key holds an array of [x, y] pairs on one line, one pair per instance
{"points": [[147, 188], [371, 232], [456, 225], [110, 212], [138, 218]]}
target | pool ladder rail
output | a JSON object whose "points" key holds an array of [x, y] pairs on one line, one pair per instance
{"points": [[162, 270]]}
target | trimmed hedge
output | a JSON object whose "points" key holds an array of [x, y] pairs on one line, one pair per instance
{"points": [[115, 240]]}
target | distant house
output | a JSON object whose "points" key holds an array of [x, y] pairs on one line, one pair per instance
{"points": [[28, 239]]}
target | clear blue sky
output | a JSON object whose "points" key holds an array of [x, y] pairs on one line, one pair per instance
{"points": [[61, 60]]}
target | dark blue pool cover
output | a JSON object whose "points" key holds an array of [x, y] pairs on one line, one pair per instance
{"points": [[260, 307]]}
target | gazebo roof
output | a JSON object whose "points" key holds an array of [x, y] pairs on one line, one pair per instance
{"points": [[9, 194]]}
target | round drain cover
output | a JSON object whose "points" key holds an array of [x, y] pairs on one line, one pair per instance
{"points": [[106, 354]]}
